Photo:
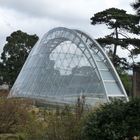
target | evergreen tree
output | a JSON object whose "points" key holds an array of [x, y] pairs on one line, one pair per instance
{"points": [[136, 7], [121, 23], [14, 54]]}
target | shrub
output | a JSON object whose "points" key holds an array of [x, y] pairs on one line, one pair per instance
{"points": [[114, 121], [13, 114], [64, 125], [16, 117]]}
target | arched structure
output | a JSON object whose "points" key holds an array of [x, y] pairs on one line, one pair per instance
{"points": [[66, 64]]}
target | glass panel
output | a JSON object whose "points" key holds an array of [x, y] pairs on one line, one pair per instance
{"points": [[113, 89], [101, 65], [106, 75]]}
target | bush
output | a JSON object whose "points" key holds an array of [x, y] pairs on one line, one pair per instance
{"points": [[20, 117], [64, 125], [17, 117], [114, 121], [13, 115]]}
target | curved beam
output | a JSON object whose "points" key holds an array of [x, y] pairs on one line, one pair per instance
{"points": [[96, 44]]}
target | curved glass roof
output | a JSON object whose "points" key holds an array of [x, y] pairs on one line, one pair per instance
{"points": [[65, 65]]}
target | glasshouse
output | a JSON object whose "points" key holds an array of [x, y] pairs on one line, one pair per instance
{"points": [[65, 65]]}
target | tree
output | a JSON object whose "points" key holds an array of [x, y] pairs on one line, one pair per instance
{"points": [[120, 22], [136, 7], [117, 120], [14, 54]]}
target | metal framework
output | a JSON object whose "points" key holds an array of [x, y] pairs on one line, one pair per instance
{"points": [[65, 65]]}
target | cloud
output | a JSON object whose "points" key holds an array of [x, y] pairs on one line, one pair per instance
{"points": [[112, 3], [64, 10], [38, 16]]}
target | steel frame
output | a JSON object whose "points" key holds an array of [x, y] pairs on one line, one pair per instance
{"points": [[89, 48]]}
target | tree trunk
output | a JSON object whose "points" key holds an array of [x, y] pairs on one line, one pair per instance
{"points": [[115, 47]]}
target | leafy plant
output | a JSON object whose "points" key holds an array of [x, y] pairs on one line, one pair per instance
{"points": [[14, 54], [114, 121]]}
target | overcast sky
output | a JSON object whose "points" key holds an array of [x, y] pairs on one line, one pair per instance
{"points": [[39, 16]]}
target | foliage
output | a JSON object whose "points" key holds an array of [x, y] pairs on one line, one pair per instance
{"points": [[114, 121], [11, 137], [13, 115], [117, 18], [21, 118], [14, 54], [17, 118], [126, 80], [136, 6], [35, 129], [122, 24], [64, 125]]}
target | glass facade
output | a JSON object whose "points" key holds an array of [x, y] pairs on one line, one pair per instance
{"points": [[66, 65]]}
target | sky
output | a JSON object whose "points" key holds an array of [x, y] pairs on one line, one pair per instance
{"points": [[39, 16]]}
